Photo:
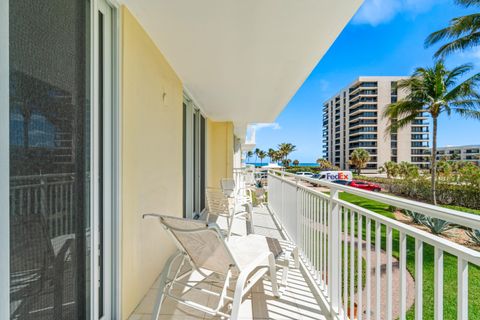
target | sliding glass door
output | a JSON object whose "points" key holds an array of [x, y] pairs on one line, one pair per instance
{"points": [[60, 159], [50, 162], [194, 137]]}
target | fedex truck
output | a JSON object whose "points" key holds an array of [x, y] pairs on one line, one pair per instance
{"points": [[335, 175]]}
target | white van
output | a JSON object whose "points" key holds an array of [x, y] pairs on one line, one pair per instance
{"points": [[335, 175]]}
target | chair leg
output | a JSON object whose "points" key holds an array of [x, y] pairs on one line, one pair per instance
{"points": [[238, 296], [162, 286], [273, 276], [295, 258], [230, 225]]}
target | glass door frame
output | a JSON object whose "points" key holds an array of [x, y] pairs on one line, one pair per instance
{"points": [[4, 163], [111, 143]]}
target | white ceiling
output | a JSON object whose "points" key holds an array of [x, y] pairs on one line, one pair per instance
{"points": [[243, 60]]}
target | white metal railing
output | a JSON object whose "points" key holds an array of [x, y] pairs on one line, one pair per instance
{"points": [[341, 244], [51, 195]]}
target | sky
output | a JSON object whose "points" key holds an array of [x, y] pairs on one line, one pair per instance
{"points": [[384, 38]]}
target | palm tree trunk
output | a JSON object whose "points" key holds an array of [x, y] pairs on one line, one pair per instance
{"points": [[433, 160]]}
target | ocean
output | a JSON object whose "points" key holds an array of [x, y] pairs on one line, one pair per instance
{"points": [[301, 164]]}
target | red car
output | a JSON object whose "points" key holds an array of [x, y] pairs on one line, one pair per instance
{"points": [[364, 185]]}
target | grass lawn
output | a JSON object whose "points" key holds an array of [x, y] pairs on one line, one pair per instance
{"points": [[450, 267]]}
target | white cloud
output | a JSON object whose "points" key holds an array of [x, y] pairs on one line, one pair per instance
{"points": [[273, 125], [375, 12]]}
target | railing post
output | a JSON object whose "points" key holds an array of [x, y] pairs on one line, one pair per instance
{"points": [[43, 196], [334, 265]]}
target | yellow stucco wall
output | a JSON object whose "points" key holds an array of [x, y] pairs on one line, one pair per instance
{"points": [[151, 159], [219, 152]]}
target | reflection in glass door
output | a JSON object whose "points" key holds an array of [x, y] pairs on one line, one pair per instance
{"points": [[50, 162]]}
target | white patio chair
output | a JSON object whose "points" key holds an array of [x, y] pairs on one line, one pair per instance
{"points": [[227, 207], [244, 261], [241, 193]]}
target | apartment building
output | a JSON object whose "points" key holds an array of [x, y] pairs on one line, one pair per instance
{"points": [[353, 119], [469, 153]]}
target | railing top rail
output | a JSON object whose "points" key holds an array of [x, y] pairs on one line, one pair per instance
{"points": [[453, 216], [38, 176]]}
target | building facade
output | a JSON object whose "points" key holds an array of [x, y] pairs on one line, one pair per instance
{"points": [[469, 153], [353, 119]]}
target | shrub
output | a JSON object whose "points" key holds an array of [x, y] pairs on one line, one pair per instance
{"points": [[416, 217], [474, 236], [464, 194], [436, 226]]}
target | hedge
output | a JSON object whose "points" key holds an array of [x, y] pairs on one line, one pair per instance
{"points": [[420, 189]]}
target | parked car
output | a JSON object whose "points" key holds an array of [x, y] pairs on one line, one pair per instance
{"points": [[316, 176], [364, 185], [305, 174]]}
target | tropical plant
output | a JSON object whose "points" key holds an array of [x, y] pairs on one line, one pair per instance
{"points": [[474, 236], [390, 168], [285, 149], [436, 226], [359, 158], [262, 155], [408, 170], [434, 91], [462, 32], [444, 169], [324, 163], [256, 151], [296, 162], [249, 155], [416, 217], [286, 162], [469, 174], [455, 156], [271, 154]]}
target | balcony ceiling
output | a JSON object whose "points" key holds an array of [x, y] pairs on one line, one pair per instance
{"points": [[243, 60]]}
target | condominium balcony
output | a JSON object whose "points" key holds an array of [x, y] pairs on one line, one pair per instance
{"points": [[402, 270]]}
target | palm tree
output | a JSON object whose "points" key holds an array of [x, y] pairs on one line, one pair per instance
{"points": [[256, 151], [434, 91], [390, 168], [359, 158], [249, 155], [261, 155], [324, 163], [464, 32], [271, 154], [285, 149], [296, 162]]}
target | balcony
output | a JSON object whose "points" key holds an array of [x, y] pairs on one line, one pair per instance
{"points": [[393, 276]]}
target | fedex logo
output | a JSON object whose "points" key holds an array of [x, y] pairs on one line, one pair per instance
{"points": [[337, 175]]}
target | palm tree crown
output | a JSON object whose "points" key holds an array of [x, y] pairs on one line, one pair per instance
{"points": [[434, 91], [359, 158], [463, 32]]}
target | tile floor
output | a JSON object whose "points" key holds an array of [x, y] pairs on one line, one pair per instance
{"points": [[296, 303]]}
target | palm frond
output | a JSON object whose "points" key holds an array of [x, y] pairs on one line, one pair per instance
{"points": [[462, 43], [468, 113], [457, 72], [465, 89], [458, 27], [400, 113], [467, 3]]}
